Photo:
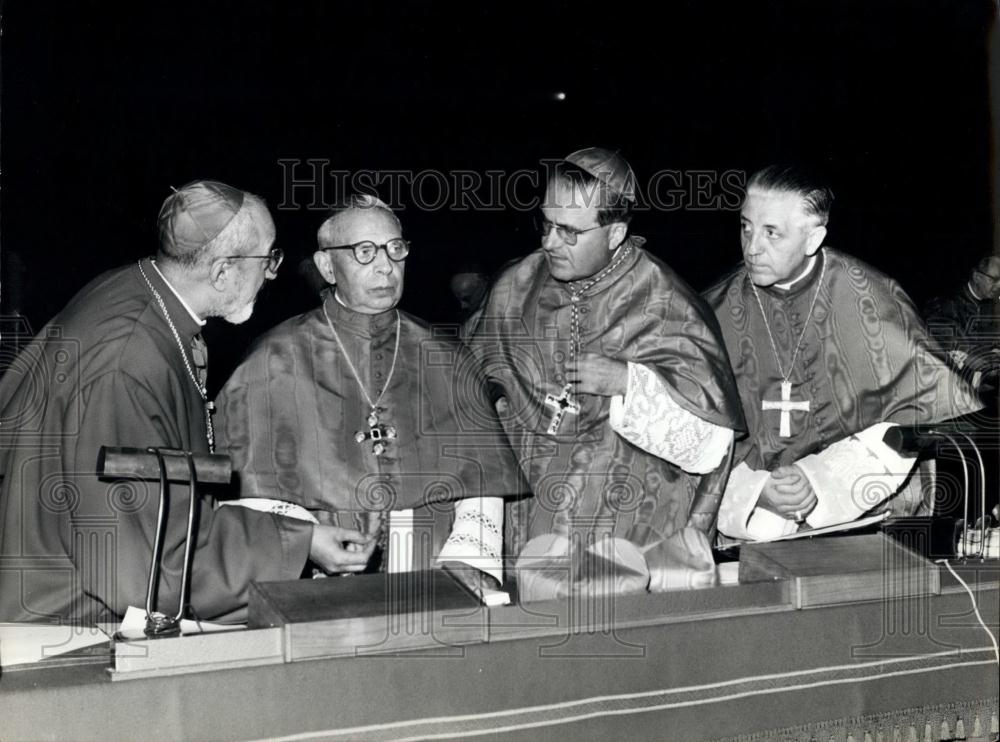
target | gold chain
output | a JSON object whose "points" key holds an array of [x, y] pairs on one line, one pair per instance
{"points": [[357, 377], [574, 296], [767, 326], [202, 391]]}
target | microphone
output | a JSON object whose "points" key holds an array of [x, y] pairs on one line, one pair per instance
{"points": [[139, 463], [910, 440]]}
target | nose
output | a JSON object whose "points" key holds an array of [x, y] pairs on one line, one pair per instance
{"points": [[381, 263], [551, 240], [752, 244]]}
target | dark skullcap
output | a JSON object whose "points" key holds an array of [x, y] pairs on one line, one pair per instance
{"points": [[608, 167], [194, 215]]}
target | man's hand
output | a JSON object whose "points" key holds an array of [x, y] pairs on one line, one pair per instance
{"points": [[336, 549], [788, 493], [596, 374]]}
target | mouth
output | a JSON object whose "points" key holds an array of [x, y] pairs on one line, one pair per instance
{"points": [[383, 290]]}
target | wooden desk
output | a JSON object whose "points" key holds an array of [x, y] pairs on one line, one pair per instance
{"points": [[711, 664]]}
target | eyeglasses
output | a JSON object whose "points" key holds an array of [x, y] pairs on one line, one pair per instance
{"points": [[273, 258], [364, 252], [569, 235]]}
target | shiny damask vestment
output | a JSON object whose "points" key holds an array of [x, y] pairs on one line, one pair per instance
{"points": [[289, 415], [587, 478], [865, 358]]}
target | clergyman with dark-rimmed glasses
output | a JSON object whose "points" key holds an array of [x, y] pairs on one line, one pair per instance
{"points": [[356, 415]]}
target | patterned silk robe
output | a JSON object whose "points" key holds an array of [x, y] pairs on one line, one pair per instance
{"points": [[865, 357], [290, 413], [588, 480]]}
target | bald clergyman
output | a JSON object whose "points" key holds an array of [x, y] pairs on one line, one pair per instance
{"points": [[123, 365], [356, 414]]}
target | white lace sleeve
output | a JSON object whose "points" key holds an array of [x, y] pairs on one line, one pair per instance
{"points": [[853, 476], [477, 535], [849, 478], [267, 505], [649, 418]]}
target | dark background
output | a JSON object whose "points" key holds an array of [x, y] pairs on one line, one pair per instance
{"points": [[105, 106]]}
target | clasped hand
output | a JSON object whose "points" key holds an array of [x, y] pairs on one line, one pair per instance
{"points": [[788, 493], [336, 549], [592, 373]]}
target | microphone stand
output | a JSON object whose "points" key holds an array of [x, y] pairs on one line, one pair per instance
{"points": [[982, 506], [166, 465], [911, 530]]}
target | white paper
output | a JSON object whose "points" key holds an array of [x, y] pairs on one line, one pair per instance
{"points": [[25, 643]]}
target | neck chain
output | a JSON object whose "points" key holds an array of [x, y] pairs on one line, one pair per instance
{"points": [[202, 391], [767, 326], [575, 293], [565, 402], [377, 433]]}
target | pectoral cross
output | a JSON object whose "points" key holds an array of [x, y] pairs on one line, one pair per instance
{"points": [[786, 406], [560, 406], [377, 433]]}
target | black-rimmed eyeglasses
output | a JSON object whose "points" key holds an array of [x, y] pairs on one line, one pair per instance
{"points": [[569, 235], [364, 252], [273, 258]]}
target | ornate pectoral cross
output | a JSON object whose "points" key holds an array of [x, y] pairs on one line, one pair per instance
{"points": [[786, 406], [377, 433], [561, 405]]}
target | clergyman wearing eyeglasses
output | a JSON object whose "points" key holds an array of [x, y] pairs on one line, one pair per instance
{"points": [[356, 415], [124, 365], [616, 394]]}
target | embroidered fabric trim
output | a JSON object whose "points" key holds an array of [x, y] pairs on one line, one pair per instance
{"points": [[668, 430], [480, 519], [278, 507], [479, 547]]}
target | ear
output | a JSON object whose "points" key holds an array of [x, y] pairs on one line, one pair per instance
{"points": [[219, 273], [324, 264], [617, 235], [815, 240]]}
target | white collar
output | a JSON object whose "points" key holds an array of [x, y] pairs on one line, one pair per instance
{"points": [[341, 303], [805, 272], [195, 317]]}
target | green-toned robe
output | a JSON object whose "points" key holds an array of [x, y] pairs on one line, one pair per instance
{"points": [[107, 371], [289, 414], [587, 480]]}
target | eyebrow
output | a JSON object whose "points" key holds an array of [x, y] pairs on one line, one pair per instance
{"points": [[564, 225], [772, 227]]}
